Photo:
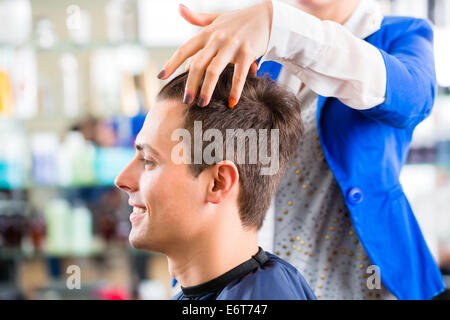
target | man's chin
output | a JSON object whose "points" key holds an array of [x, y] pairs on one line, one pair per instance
{"points": [[135, 243], [142, 242], [136, 240]]}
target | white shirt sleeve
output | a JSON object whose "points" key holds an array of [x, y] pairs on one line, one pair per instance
{"points": [[327, 57]]}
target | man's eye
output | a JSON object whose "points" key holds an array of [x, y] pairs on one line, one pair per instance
{"points": [[147, 163]]}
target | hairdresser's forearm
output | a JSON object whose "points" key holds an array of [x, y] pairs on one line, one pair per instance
{"points": [[327, 57]]}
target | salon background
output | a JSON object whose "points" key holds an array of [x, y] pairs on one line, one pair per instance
{"points": [[76, 80]]}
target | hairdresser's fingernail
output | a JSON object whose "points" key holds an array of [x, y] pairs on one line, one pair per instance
{"points": [[182, 5], [187, 98], [161, 74], [201, 102], [231, 102]]}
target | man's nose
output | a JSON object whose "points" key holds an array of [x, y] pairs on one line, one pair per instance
{"points": [[127, 180]]}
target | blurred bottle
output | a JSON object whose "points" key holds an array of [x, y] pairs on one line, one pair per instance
{"points": [[104, 79], [107, 227], [15, 30], [37, 231], [76, 161], [68, 147], [46, 97], [59, 227], [13, 163], [6, 98], [12, 229], [121, 17], [78, 24], [152, 290], [24, 74], [84, 165], [45, 35], [44, 150], [69, 68], [132, 61], [15, 21], [81, 230]]}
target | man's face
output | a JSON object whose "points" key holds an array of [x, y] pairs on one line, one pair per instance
{"points": [[167, 199]]}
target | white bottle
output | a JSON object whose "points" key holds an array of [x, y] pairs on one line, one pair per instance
{"points": [[69, 67], [58, 223], [81, 230]]}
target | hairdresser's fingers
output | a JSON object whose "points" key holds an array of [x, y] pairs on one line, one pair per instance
{"points": [[197, 18], [187, 65], [187, 50], [197, 66], [212, 74], [241, 69], [254, 68]]}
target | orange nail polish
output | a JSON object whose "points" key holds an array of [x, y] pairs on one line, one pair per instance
{"points": [[231, 102]]}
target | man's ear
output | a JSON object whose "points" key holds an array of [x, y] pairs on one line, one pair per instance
{"points": [[224, 179]]}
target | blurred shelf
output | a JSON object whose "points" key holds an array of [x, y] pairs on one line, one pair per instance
{"points": [[69, 187], [19, 254], [64, 46], [97, 250], [106, 164], [100, 249], [57, 290], [57, 186]]}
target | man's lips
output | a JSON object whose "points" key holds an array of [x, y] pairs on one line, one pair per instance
{"points": [[138, 213], [132, 204]]}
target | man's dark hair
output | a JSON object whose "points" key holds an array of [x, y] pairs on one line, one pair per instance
{"points": [[263, 105]]}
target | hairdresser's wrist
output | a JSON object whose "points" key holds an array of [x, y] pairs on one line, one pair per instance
{"points": [[268, 6]]}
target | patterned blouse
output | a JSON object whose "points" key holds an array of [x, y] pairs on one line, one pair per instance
{"points": [[313, 229]]}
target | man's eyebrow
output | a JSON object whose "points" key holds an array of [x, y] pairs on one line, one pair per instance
{"points": [[145, 147]]}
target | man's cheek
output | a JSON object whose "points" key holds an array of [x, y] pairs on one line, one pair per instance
{"points": [[157, 192], [149, 189]]}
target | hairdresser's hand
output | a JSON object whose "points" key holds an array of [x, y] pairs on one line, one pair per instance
{"points": [[239, 37]]}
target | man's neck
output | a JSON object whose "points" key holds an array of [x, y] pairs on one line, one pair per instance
{"points": [[206, 260], [340, 11]]}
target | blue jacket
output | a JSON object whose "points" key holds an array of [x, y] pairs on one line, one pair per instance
{"points": [[366, 149]]}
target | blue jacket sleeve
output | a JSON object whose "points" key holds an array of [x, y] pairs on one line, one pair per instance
{"points": [[410, 76]]}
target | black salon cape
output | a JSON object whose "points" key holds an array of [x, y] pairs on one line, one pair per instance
{"points": [[263, 277]]}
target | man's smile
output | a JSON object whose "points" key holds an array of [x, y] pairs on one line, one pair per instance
{"points": [[138, 213]]}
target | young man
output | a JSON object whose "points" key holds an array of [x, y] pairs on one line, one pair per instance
{"points": [[201, 201]]}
